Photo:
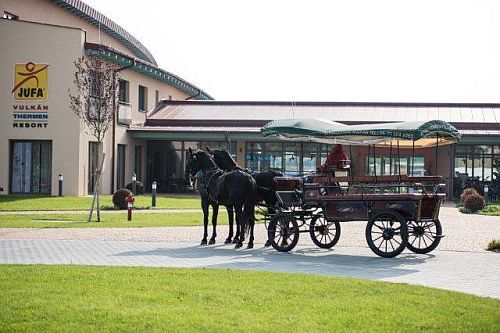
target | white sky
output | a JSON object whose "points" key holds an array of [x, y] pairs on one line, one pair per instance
{"points": [[352, 50]]}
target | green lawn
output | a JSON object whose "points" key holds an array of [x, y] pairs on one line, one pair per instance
{"points": [[490, 209], [130, 299], [31, 202], [108, 220]]}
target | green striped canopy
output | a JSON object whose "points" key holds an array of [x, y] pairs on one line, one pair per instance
{"points": [[412, 133], [301, 129]]}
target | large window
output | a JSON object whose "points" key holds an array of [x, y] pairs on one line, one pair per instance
{"points": [[476, 161], [285, 157], [31, 167], [386, 165], [143, 98]]}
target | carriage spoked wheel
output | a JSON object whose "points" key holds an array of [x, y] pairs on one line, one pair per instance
{"points": [[387, 234], [424, 236], [283, 232], [325, 234]]}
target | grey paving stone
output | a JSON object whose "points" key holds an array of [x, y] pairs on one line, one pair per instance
{"points": [[469, 272]]}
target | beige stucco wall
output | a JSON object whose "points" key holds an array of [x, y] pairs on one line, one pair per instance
{"points": [[44, 11], [24, 42], [60, 47]]}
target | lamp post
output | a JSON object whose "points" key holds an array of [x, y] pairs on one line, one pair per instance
{"points": [[60, 184], [134, 185], [153, 194], [486, 190]]}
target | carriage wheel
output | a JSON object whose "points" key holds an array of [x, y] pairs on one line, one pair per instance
{"points": [[325, 234], [387, 234], [283, 232], [423, 237]]}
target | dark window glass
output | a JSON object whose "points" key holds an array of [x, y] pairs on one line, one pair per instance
{"points": [[120, 172], [138, 162], [123, 91], [143, 98]]}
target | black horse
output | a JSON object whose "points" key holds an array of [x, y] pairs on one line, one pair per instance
{"points": [[266, 191], [234, 189]]}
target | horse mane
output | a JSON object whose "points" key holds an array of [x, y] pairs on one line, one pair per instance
{"points": [[205, 157], [225, 158]]}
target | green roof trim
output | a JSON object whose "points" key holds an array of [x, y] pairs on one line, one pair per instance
{"points": [[148, 70]]}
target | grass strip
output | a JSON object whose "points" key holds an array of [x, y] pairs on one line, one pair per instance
{"points": [[108, 220], [130, 299], [33, 202]]}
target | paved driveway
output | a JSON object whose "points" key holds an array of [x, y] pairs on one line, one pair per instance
{"points": [[460, 263]]}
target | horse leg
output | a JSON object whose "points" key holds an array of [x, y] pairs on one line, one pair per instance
{"points": [[204, 207], [215, 212], [231, 223], [239, 216], [250, 240], [238, 228], [270, 211]]}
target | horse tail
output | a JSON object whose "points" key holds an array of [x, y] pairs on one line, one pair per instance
{"points": [[249, 204]]}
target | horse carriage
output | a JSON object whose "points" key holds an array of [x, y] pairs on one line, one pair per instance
{"points": [[402, 211]]}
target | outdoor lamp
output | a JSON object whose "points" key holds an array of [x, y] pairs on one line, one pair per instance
{"points": [[134, 177], [153, 186], [61, 178]]}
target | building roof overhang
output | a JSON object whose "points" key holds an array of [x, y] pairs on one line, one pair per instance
{"points": [[143, 67]]}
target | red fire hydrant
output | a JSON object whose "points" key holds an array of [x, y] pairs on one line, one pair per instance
{"points": [[130, 204]]}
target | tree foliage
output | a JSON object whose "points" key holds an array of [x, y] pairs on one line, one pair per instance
{"points": [[96, 96]]}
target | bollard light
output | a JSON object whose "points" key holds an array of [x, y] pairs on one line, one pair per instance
{"points": [[486, 189], [134, 183], [153, 194], [60, 184]]}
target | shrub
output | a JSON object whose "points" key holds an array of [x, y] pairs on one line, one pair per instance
{"points": [[119, 198], [468, 191], [494, 245], [139, 187], [474, 202]]}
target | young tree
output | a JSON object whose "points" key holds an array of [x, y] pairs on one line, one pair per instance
{"points": [[94, 103]]}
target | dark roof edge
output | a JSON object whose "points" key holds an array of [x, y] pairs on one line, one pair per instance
{"points": [[367, 104]]}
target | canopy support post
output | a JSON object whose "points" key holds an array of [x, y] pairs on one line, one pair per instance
{"points": [[390, 159], [374, 164], [350, 164], [413, 159], [368, 159], [437, 146], [399, 169]]}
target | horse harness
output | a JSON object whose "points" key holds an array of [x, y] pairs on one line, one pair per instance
{"points": [[207, 179]]}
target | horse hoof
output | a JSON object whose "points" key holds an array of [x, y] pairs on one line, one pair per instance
{"points": [[203, 242], [211, 242], [235, 240], [268, 243], [250, 246], [227, 241], [238, 245]]}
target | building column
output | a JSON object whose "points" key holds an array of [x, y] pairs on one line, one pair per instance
{"points": [[240, 152]]}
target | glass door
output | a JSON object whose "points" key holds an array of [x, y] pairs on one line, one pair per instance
{"points": [[31, 167]]}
